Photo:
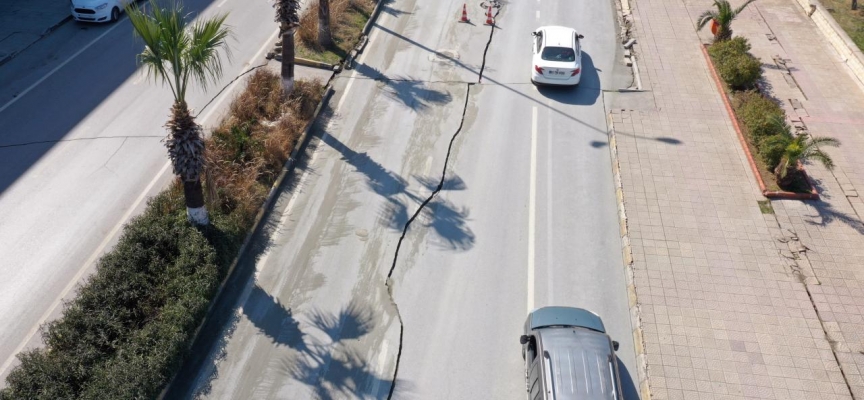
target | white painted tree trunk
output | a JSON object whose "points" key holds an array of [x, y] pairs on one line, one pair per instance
{"points": [[198, 216]]}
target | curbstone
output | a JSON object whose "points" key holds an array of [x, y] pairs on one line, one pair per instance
{"points": [[287, 169], [312, 63], [373, 17], [771, 194], [849, 52], [627, 256]]}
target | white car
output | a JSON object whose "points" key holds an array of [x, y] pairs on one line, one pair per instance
{"points": [[97, 10], [557, 56]]}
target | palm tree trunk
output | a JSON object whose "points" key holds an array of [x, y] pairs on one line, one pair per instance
{"points": [[325, 37], [854, 4], [195, 208], [288, 60]]}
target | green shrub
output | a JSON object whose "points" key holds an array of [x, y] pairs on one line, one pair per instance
{"points": [[772, 147], [756, 112], [735, 65]]}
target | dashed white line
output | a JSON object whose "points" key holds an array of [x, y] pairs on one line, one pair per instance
{"points": [[532, 199], [538, 14]]}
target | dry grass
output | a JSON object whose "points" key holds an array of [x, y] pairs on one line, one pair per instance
{"points": [[851, 21], [347, 18], [246, 152]]}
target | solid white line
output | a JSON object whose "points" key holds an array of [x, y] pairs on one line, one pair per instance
{"points": [[118, 226], [57, 68], [550, 264], [222, 3], [532, 200]]}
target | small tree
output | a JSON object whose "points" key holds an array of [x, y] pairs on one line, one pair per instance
{"points": [[803, 148], [325, 35], [288, 18], [723, 17], [174, 52]]}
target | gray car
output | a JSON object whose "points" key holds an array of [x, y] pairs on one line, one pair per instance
{"points": [[568, 355]]}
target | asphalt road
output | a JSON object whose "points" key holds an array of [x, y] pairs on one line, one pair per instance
{"points": [[526, 217], [80, 152]]}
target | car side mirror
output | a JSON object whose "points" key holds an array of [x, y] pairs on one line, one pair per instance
{"points": [[523, 339], [580, 36], [615, 345]]}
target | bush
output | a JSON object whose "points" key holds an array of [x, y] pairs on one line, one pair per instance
{"points": [[735, 65], [756, 112], [772, 147], [130, 326]]}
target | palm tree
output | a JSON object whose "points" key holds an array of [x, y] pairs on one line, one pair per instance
{"points": [[288, 18], [723, 16], [803, 148], [174, 52], [325, 36]]}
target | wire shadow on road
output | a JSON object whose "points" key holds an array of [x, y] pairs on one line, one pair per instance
{"points": [[585, 94], [446, 220], [506, 86], [413, 93]]}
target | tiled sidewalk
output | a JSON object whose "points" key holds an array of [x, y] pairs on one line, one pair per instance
{"points": [[724, 315], [831, 104]]}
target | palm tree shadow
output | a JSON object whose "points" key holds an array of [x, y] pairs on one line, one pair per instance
{"points": [[388, 9], [826, 214], [273, 319], [410, 92], [447, 221]]}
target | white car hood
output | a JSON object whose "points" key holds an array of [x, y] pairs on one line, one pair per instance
{"points": [[88, 3]]}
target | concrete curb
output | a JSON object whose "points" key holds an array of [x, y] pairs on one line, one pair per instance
{"points": [[46, 32], [373, 17], [287, 169], [839, 39], [627, 254], [813, 195], [312, 63]]}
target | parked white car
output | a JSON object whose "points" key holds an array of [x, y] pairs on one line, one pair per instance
{"points": [[97, 10], [557, 56]]}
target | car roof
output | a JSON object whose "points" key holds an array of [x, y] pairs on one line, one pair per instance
{"points": [[580, 363], [564, 316], [558, 35]]}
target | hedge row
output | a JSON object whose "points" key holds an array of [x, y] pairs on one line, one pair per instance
{"points": [[131, 324], [763, 120]]}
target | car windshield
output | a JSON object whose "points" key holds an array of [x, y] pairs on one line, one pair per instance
{"points": [[560, 54]]}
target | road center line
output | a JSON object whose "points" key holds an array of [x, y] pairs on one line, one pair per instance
{"points": [[550, 264], [532, 205], [90, 260]]}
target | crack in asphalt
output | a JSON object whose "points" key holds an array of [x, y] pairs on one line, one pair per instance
{"points": [[388, 281], [3, 146]]}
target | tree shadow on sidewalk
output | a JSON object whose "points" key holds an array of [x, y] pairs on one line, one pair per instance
{"points": [[826, 213]]}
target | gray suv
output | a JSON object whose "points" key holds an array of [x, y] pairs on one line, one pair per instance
{"points": [[568, 355]]}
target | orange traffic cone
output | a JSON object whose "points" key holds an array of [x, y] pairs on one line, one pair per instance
{"points": [[489, 20], [464, 14]]}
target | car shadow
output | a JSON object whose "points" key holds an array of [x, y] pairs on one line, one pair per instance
{"points": [[628, 387], [585, 94]]}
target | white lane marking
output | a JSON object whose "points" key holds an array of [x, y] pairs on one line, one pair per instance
{"points": [[57, 68], [550, 264], [532, 198], [538, 14], [222, 3], [117, 227]]}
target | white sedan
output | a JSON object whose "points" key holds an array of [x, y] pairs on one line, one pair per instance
{"points": [[557, 56], [97, 10]]}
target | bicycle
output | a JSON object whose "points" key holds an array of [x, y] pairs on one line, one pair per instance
{"points": [[494, 3]]}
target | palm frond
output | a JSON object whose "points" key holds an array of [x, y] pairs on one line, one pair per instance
{"points": [[705, 18], [206, 38], [742, 7]]}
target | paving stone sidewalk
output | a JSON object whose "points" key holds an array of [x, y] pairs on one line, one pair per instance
{"points": [[828, 100], [725, 315]]}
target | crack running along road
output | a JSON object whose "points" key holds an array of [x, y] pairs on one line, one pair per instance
{"points": [[388, 281]]}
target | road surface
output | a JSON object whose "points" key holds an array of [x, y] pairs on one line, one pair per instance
{"points": [[80, 152], [526, 217]]}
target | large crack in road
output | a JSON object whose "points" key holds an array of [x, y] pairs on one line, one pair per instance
{"points": [[388, 281]]}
